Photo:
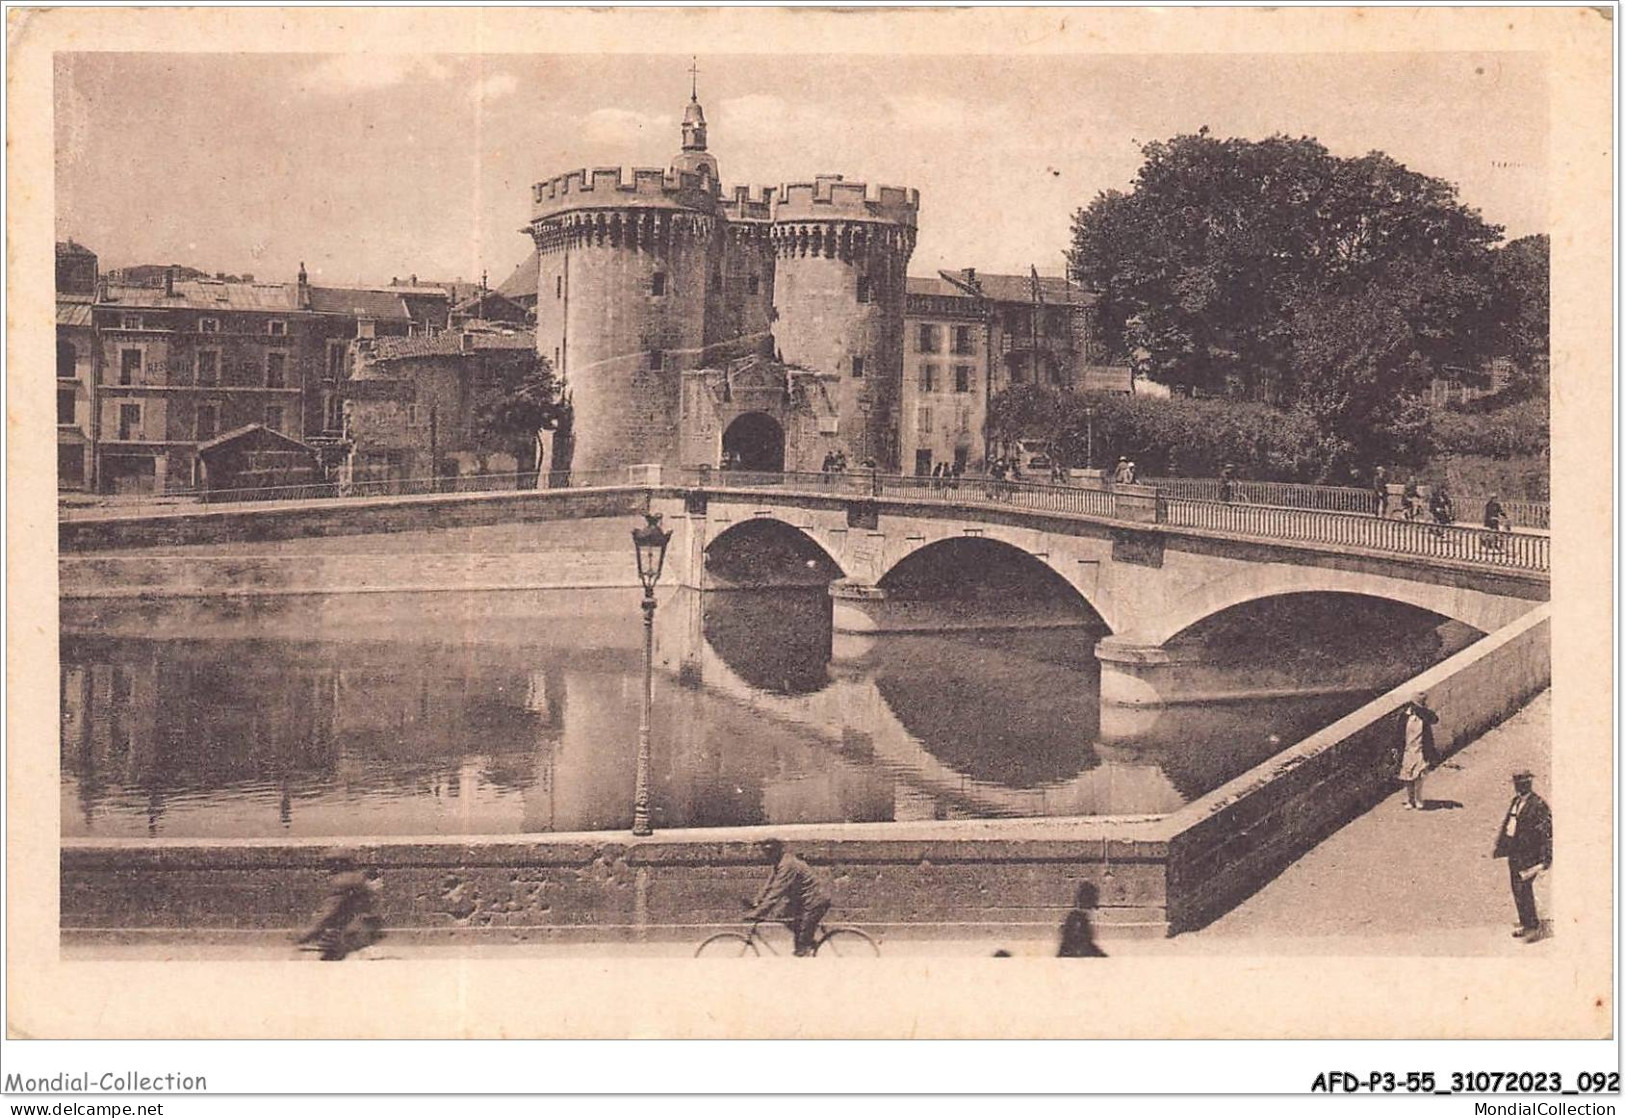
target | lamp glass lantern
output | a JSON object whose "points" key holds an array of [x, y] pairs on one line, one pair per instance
{"points": [[650, 542]]}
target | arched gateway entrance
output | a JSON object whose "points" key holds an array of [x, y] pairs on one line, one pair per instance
{"points": [[754, 442]]}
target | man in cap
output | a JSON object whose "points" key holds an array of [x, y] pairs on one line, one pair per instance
{"points": [[795, 895], [1525, 841], [1418, 753]]}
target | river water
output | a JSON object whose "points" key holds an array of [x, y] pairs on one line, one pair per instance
{"points": [[447, 714]]}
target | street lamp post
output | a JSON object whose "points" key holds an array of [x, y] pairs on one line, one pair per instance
{"points": [[1089, 414], [650, 543]]}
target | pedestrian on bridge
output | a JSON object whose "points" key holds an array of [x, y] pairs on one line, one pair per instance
{"points": [[1379, 489]]}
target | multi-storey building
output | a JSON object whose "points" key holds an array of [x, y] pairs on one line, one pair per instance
{"points": [[646, 277], [77, 356], [968, 336], [412, 403], [179, 367]]}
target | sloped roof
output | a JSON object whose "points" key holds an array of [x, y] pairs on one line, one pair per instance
{"points": [[73, 312], [206, 295], [522, 283], [237, 433], [1018, 289], [360, 302], [450, 342], [932, 285]]}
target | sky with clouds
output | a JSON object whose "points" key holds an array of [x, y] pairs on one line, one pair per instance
{"points": [[367, 166]]}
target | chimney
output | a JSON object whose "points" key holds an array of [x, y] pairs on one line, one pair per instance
{"points": [[248, 277], [169, 282], [304, 288], [467, 342], [970, 276], [414, 279], [101, 290], [221, 276]]}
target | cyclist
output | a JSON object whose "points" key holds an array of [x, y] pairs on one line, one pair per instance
{"points": [[795, 895], [346, 921]]}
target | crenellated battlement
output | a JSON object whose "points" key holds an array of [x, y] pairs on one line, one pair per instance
{"points": [[620, 186], [742, 206], [832, 196]]}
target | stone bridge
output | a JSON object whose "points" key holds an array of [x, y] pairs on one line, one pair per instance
{"points": [[1149, 583]]}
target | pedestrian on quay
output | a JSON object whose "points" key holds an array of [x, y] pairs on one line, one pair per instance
{"points": [[346, 921], [1525, 841], [1077, 929], [1227, 483], [1133, 472], [1120, 475], [1418, 752], [1379, 489]]}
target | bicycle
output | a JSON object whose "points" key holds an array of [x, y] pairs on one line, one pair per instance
{"points": [[832, 939]]}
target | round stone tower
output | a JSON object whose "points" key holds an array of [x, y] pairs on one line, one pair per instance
{"points": [[626, 265], [841, 257]]}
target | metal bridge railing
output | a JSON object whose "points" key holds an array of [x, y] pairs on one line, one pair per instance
{"points": [[1524, 551], [1333, 498], [1412, 537]]}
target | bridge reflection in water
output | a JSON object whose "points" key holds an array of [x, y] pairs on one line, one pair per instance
{"points": [[513, 713]]}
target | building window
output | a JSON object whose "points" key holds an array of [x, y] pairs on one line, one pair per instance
{"points": [[131, 322], [962, 378], [857, 366], [414, 415], [657, 283], [928, 378], [1056, 321], [963, 342], [336, 353], [64, 406], [929, 338], [129, 422], [276, 369], [657, 360], [208, 326], [273, 417], [753, 285], [333, 412], [276, 328], [208, 366], [129, 366], [67, 360], [925, 421], [208, 422], [865, 290]]}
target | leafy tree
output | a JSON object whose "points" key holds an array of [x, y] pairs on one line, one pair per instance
{"points": [[1229, 262], [1521, 276], [1022, 411], [520, 401]]}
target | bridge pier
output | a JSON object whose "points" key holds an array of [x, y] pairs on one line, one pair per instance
{"points": [[863, 609]]}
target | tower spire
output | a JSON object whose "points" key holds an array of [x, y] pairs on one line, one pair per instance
{"points": [[694, 77]]}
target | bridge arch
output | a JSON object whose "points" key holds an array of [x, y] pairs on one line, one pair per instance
{"points": [[1481, 610], [986, 569], [765, 551]]}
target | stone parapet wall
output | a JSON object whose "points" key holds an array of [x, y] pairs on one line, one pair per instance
{"points": [[1227, 844], [341, 517], [669, 886]]}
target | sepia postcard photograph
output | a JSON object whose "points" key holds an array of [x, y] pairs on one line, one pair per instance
{"points": [[810, 523]]}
